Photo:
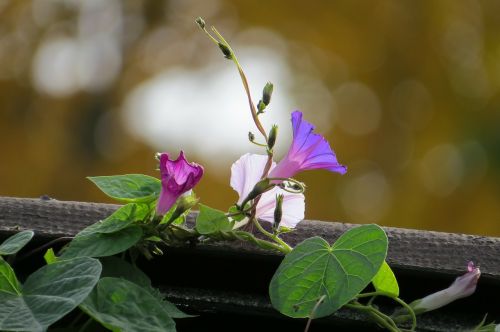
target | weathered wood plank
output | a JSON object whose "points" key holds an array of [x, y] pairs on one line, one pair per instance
{"points": [[231, 278], [408, 249]]}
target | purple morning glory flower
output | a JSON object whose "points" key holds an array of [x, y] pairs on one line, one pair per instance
{"points": [[463, 286], [177, 177], [307, 151]]}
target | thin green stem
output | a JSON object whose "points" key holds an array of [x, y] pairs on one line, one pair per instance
{"points": [[245, 236], [210, 36], [244, 80], [45, 246], [397, 299], [301, 185], [272, 236], [375, 314], [410, 311], [311, 316], [259, 144], [269, 163]]}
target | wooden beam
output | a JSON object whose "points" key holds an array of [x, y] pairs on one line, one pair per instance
{"points": [[409, 249]]}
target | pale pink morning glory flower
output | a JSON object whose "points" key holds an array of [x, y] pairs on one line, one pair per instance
{"points": [[307, 151], [177, 177], [463, 286], [246, 172]]}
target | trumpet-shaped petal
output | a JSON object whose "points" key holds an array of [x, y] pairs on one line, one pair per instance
{"points": [[307, 151], [246, 172], [177, 177], [463, 286]]}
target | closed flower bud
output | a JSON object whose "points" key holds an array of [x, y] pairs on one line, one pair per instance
{"points": [[278, 211], [200, 22], [226, 51], [261, 106], [260, 187], [267, 92], [185, 203], [271, 140], [177, 177], [463, 286], [251, 136]]}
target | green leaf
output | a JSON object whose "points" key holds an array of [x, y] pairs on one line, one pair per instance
{"points": [[121, 305], [212, 221], [101, 245], [119, 220], [385, 280], [314, 270], [15, 243], [50, 256], [118, 268], [49, 294], [8, 279], [236, 213], [129, 187]]}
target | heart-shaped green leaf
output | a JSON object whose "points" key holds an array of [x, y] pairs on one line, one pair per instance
{"points": [[385, 280], [15, 243], [101, 244], [118, 268], [121, 305], [49, 294], [119, 220], [315, 271], [211, 221], [129, 187]]}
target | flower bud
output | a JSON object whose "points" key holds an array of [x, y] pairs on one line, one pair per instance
{"points": [[200, 22], [226, 51], [261, 106], [266, 93], [185, 203], [463, 286], [271, 140], [278, 211], [260, 187], [251, 136]]}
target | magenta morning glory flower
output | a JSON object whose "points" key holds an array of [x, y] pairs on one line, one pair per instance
{"points": [[177, 177], [246, 172], [307, 151], [463, 286]]}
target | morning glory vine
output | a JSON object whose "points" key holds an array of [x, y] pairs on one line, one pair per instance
{"points": [[96, 274]]}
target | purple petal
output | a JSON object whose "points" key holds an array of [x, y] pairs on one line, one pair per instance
{"points": [[177, 177], [307, 151]]}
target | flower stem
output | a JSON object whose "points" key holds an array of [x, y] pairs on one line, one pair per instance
{"points": [[245, 236], [311, 316], [397, 299], [274, 237], [379, 317], [244, 80]]}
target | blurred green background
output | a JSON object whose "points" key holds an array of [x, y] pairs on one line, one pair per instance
{"points": [[407, 92]]}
